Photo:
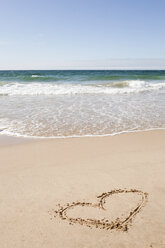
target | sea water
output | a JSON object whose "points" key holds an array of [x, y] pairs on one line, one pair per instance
{"points": [[80, 103]]}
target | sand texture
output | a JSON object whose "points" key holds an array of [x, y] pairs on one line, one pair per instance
{"points": [[84, 192]]}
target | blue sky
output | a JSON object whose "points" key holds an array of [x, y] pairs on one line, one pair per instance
{"points": [[50, 34]]}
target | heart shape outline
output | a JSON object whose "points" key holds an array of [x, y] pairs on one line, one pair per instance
{"points": [[117, 224]]}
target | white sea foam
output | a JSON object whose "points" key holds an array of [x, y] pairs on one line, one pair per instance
{"points": [[125, 87], [36, 76], [15, 134]]}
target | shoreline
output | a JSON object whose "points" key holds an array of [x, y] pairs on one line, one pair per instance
{"points": [[11, 139], [37, 176]]}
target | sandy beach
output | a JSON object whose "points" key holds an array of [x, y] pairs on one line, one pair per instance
{"points": [[37, 176]]}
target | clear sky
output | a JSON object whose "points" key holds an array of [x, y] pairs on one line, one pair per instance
{"points": [[50, 34]]}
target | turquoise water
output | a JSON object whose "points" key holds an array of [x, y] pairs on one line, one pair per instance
{"points": [[78, 75], [79, 103]]}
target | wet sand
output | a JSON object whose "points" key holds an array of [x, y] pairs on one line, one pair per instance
{"points": [[84, 192], [6, 140]]}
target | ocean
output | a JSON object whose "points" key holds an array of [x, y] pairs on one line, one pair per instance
{"points": [[73, 103]]}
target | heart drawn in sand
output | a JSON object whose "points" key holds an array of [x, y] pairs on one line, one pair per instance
{"points": [[118, 223]]}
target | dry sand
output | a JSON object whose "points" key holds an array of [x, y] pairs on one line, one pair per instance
{"points": [[36, 176]]}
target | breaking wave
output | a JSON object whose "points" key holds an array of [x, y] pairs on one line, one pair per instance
{"points": [[124, 87]]}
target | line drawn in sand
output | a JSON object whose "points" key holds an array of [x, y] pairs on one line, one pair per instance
{"points": [[107, 224]]}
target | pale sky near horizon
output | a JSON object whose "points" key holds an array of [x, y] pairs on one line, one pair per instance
{"points": [[73, 34]]}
